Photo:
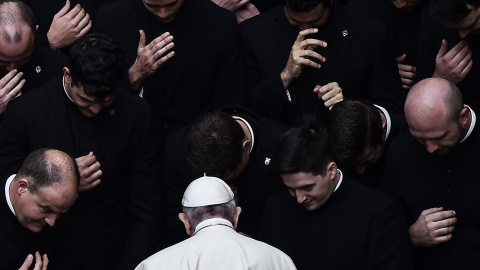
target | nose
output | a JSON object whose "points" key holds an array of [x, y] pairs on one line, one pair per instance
{"points": [[50, 220], [300, 197], [162, 13], [11, 66], [463, 33], [360, 169], [96, 108], [431, 147]]}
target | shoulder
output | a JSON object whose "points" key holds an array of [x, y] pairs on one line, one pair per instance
{"points": [[132, 103], [263, 21]]}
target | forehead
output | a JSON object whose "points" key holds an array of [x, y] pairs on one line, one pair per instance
{"points": [[309, 16], [58, 197], [160, 3], [297, 180]]}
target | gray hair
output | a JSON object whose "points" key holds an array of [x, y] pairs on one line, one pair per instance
{"points": [[198, 214]]}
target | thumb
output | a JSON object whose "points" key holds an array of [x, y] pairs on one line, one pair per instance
{"points": [[64, 9], [401, 58], [143, 39], [443, 49]]}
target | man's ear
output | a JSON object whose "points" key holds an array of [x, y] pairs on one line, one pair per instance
{"points": [[246, 144], [464, 117], [332, 170], [67, 75], [22, 186], [238, 210], [188, 227], [400, 3]]}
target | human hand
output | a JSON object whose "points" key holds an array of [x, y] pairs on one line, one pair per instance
{"points": [[68, 26], [433, 226], [90, 172], [300, 56], [39, 264], [150, 57], [330, 94], [10, 88], [407, 72], [248, 11], [453, 65], [232, 5]]}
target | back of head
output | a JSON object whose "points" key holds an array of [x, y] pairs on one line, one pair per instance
{"points": [[208, 197], [305, 5], [433, 98], [452, 11], [96, 63], [214, 145], [303, 149], [14, 14], [48, 167], [353, 126]]}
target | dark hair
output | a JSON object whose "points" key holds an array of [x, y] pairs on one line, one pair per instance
{"points": [[19, 15], [214, 145], [43, 171], [96, 63], [353, 126], [303, 149], [305, 5], [452, 11]]}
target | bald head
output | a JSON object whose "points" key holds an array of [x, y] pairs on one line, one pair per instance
{"points": [[49, 167], [17, 34], [436, 115]]}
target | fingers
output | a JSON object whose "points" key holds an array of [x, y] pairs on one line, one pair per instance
{"points": [[10, 80], [407, 74], [64, 10], [45, 262], [441, 216], [26, 264], [90, 172], [330, 94], [142, 40], [38, 261], [401, 58], [443, 49]]}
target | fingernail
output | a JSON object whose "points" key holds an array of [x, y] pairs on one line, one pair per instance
{"points": [[30, 257]]}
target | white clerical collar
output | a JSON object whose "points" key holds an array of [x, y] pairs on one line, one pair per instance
{"points": [[387, 117], [339, 181], [64, 89], [249, 129], [7, 192], [212, 222], [472, 123]]}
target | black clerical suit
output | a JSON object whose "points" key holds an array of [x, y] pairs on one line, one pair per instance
{"points": [[253, 186], [359, 56], [357, 228], [420, 181], [113, 224], [204, 74], [431, 34]]}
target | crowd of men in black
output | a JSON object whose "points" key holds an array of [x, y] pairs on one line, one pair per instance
{"points": [[346, 128]]}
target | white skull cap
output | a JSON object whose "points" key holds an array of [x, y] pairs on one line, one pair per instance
{"points": [[207, 190]]}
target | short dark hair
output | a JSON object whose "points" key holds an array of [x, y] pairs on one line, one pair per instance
{"points": [[303, 149], [305, 5], [96, 62], [41, 171], [215, 145], [452, 11], [16, 17], [199, 214], [353, 126]]}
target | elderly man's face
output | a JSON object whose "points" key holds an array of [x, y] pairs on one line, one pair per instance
{"points": [[469, 25], [17, 51], [164, 10], [311, 191], [45, 206]]}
